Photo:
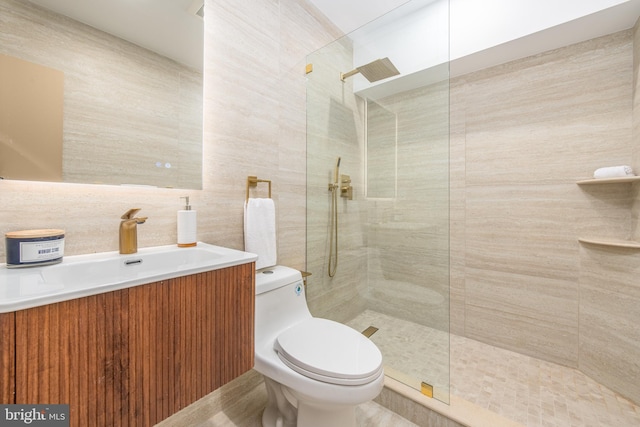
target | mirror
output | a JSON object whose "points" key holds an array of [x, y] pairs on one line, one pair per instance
{"points": [[131, 90], [381, 150]]}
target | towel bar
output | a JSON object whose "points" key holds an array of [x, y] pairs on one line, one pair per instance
{"points": [[252, 181]]}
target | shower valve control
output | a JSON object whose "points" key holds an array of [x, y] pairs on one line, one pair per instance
{"points": [[346, 190]]}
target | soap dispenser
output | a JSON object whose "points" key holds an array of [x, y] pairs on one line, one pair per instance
{"points": [[187, 226]]}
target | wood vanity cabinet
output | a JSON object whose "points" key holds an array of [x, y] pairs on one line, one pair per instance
{"points": [[135, 356]]}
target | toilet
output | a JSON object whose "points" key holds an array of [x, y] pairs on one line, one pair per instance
{"points": [[316, 371]]}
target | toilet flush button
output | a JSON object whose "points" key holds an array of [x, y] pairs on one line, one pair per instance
{"points": [[298, 289]]}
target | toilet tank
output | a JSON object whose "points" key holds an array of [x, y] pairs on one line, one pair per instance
{"points": [[280, 301]]}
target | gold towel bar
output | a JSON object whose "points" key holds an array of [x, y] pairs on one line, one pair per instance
{"points": [[252, 181]]}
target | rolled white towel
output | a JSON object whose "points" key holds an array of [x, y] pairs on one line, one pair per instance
{"points": [[613, 172]]}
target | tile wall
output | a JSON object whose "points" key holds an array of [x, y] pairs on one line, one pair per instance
{"points": [[610, 291], [636, 132], [522, 134]]}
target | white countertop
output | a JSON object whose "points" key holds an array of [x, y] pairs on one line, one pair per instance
{"points": [[84, 275]]}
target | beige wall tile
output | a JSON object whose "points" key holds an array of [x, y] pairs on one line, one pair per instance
{"points": [[609, 291], [533, 315], [635, 163], [550, 118], [609, 313], [457, 206], [526, 131]]}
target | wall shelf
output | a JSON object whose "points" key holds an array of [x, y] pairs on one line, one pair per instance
{"points": [[604, 241], [618, 243], [616, 180]]}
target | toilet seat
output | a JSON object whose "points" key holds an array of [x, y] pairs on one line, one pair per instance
{"points": [[330, 352]]}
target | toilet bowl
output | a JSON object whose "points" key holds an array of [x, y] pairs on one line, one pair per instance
{"points": [[316, 370]]}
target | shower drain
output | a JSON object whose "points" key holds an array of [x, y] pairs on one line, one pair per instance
{"points": [[369, 331]]}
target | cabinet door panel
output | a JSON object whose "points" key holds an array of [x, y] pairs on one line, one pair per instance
{"points": [[74, 352], [7, 357], [189, 336]]}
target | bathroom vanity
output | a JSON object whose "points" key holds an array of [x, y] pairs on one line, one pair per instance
{"points": [[132, 351]]}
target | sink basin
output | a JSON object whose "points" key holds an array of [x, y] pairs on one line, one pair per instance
{"points": [[84, 275]]}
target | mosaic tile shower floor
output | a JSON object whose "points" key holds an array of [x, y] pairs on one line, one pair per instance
{"points": [[527, 390]]}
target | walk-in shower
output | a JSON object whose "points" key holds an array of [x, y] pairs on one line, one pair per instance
{"points": [[406, 281]]}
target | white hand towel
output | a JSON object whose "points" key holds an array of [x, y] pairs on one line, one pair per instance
{"points": [[613, 172], [260, 231]]}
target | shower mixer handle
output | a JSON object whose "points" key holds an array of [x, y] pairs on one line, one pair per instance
{"points": [[346, 190]]}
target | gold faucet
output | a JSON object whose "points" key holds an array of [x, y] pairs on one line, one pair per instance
{"points": [[129, 231]]}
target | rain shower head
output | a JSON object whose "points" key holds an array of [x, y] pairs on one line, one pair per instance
{"points": [[374, 71]]}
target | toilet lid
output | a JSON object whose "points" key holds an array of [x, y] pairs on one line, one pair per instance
{"points": [[330, 352]]}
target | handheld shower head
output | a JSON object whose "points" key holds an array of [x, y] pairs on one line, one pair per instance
{"points": [[336, 172]]}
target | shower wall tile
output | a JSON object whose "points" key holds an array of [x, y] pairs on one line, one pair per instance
{"points": [[609, 313], [553, 117], [457, 206], [527, 130], [532, 315], [609, 290], [635, 162], [380, 152], [516, 229]]}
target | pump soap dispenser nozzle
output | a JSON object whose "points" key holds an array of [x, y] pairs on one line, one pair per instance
{"points": [[187, 206], [187, 226]]}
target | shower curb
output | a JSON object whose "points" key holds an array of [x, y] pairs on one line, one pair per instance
{"points": [[425, 412]]}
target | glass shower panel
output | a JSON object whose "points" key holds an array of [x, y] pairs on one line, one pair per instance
{"points": [[392, 136]]}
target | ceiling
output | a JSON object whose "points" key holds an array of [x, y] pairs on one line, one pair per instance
{"points": [[349, 15]]}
